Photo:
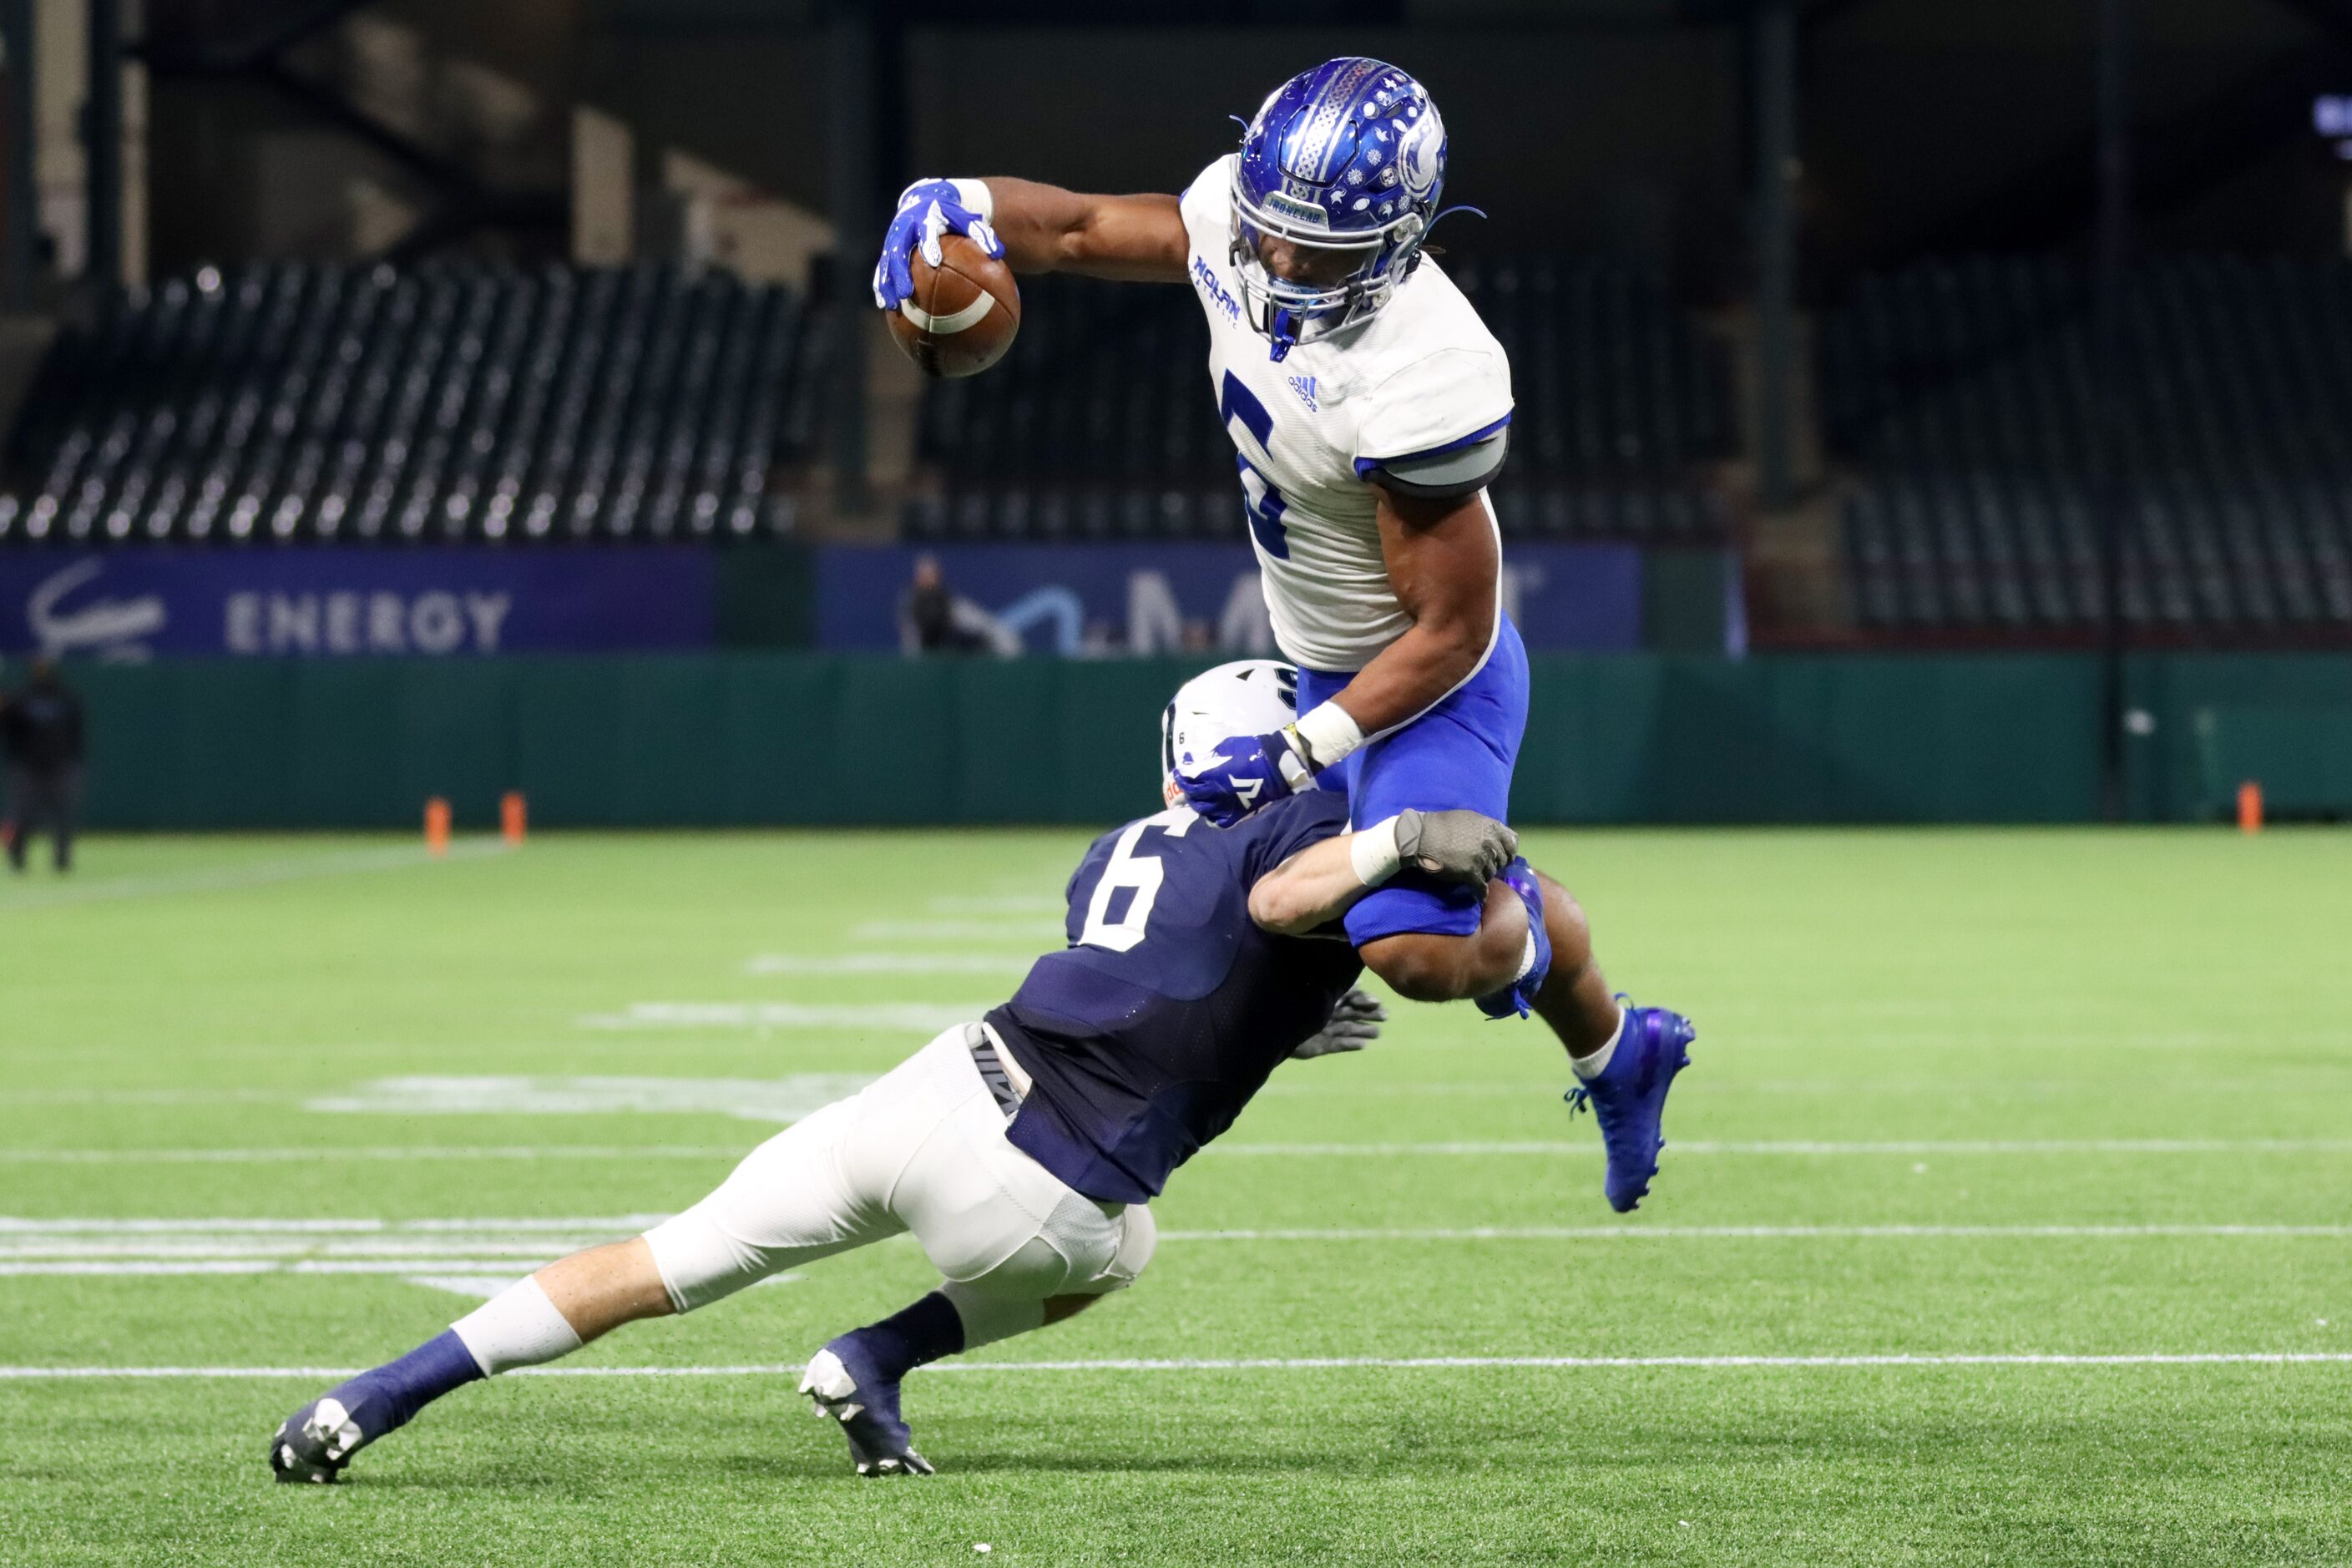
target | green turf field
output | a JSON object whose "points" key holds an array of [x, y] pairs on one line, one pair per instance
{"points": [[1956, 1095]]}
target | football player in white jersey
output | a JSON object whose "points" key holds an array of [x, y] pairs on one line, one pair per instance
{"points": [[1369, 408]]}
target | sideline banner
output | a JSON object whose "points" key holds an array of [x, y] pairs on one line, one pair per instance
{"points": [[130, 604], [1108, 600]]}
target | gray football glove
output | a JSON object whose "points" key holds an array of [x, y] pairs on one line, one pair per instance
{"points": [[1462, 846], [1355, 1023]]}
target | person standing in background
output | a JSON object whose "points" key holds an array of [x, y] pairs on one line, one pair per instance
{"points": [[932, 618], [41, 736]]}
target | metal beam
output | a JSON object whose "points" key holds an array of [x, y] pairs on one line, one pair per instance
{"points": [[394, 146], [23, 216], [101, 132], [463, 204], [175, 58], [2111, 449], [853, 134], [1772, 92]]}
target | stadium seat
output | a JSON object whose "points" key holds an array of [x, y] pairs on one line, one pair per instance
{"points": [[289, 403], [1616, 392], [1964, 390]]}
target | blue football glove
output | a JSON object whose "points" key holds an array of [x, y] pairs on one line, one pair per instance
{"points": [[927, 210], [1248, 772]]}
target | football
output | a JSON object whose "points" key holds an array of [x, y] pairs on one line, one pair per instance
{"points": [[963, 313]]}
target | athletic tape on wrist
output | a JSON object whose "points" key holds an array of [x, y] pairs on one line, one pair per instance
{"points": [[1373, 853], [1330, 733], [975, 194]]}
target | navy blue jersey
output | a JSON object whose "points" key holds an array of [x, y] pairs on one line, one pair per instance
{"points": [[1150, 1032]]}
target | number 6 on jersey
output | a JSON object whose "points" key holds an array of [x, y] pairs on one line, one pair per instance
{"points": [[1136, 874]]}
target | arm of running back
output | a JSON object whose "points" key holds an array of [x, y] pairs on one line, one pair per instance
{"points": [[1133, 240], [1443, 564]]}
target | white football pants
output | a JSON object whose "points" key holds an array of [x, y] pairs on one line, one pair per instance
{"points": [[922, 1149]]}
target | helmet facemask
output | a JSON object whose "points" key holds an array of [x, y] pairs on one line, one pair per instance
{"points": [[1348, 157], [1287, 312]]}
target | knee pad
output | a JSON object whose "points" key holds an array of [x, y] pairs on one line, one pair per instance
{"points": [[1083, 1250], [1138, 1239]]}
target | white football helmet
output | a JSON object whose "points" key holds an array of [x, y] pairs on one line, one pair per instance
{"points": [[1247, 697]]}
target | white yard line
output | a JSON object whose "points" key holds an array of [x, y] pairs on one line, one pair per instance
{"points": [[333, 1154], [617, 1224], [1756, 1232], [913, 1017], [1811, 1147], [1021, 931], [146, 1096], [448, 1239], [475, 1257], [1299, 1363], [886, 963], [780, 1100], [1527, 1089], [446, 1248], [426, 1264], [249, 874]]}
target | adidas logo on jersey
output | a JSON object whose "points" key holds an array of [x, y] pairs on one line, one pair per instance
{"points": [[1305, 386]]}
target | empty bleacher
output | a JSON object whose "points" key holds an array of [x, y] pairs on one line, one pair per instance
{"points": [[1102, 424], [1964, 393], [288, 403]]}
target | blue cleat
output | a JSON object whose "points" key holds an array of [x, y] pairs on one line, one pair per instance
{"points": [[1629, 1099], [841, 1381], [1513, 1000]]}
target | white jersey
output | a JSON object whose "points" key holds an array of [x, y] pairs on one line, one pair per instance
{"points": [[1422, 375]]}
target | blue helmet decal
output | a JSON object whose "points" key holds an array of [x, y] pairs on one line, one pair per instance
{"points": [[1349, 156]]}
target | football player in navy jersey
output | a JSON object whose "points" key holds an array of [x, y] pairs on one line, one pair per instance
{"points": [[1021, 1150]]}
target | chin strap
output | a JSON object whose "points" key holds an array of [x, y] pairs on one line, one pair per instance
{"points": [[1281, 336]]}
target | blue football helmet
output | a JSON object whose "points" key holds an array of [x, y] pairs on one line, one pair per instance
{"points": [[1348, 156]]}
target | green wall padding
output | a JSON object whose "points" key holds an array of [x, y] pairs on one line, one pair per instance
{"points": [[747, 737]]}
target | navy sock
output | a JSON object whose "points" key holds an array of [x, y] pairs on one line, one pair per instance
{"points": [[388, 1398], [906, 1340]]}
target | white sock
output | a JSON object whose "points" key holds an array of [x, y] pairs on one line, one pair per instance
{"points": [[989, 1317], [517, 1327], [1589, 1068]]}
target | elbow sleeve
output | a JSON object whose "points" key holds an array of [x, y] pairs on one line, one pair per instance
{"points": [[1446, 475]]}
